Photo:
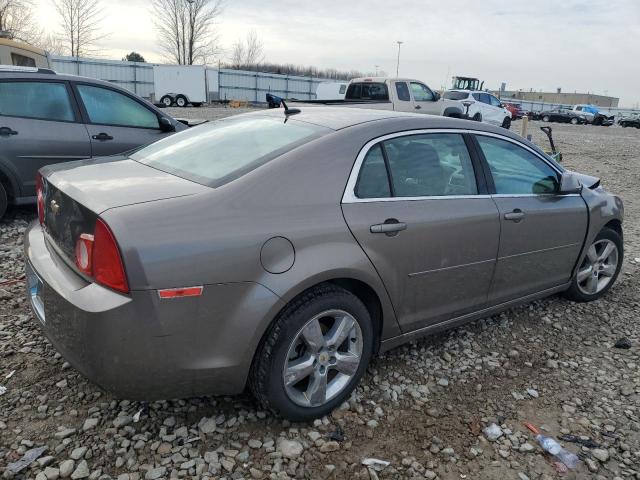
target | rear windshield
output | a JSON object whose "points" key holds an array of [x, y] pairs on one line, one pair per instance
{"points": [[219, 152], [367, 91], [456, 95]]}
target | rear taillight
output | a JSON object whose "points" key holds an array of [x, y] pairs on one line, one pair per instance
{"points": [[98, 256], [40, 194]]}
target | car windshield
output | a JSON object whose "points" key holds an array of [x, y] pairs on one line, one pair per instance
{"points": [[456, 95], [219, 152]]}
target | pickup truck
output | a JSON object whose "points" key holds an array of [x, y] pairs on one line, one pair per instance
{"points": [[399, 94]]}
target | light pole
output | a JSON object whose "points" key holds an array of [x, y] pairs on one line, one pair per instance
{"points": [[398, 63], [377, 66]]}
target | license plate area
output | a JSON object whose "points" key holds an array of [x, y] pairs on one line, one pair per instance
{"points": [[35, 288]]}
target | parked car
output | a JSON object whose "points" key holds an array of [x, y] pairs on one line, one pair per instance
{"points": [[516, 110], [397, 94], [48, 118], [632, 121], [483, 107], [562, 115], [593, 115], [283, 252]]}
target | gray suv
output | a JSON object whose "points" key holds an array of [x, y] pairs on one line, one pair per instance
{"points": [[48, 118]]}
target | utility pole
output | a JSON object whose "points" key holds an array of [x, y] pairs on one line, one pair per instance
{"points": [[398, 63], [377, 66]]}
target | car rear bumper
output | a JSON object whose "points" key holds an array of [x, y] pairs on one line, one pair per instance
{"points": [[138, 346]]}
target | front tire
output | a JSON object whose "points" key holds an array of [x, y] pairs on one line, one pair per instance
{"points": [[4, 201], [506, 123], [166, 100], [546, 118], [313, 355], [599, 269], [574, 121], [181, 101]]}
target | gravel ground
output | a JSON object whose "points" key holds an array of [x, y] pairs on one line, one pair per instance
{"points": [[422, 407]]}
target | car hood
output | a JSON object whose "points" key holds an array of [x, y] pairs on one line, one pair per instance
{"points": [[103, 183]]}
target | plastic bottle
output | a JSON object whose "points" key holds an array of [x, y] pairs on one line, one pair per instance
{"points": [[549, 445]]}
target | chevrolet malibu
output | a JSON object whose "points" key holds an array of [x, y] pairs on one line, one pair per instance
{"points": [[280, 251]]}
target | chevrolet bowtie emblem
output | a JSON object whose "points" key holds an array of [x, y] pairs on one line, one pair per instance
{"points": [[55, 208]]}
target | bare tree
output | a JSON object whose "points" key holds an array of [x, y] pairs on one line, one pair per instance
{"points": [[237, 54], [17, 21], [52, 43], [254, 53], [186, 29], [80, 25]]}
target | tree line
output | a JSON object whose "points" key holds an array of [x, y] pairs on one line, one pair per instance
{"points": [[186, 34]]}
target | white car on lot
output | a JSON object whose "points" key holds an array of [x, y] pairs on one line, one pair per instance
{"points": [[483, 107]]}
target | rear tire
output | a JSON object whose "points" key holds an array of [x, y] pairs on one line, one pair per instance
{"points": [[574, 121], [546, 118], [181, 101], [284, 344], [506, 123], [166, 100], [598, 272], [4, 201]]}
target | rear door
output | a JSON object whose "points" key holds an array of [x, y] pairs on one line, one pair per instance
{"points": [[116, 121], [403, 101], [39, 125], [541, 231], [424, 100], [430, 229]]}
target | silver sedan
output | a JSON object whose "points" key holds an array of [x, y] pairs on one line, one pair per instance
{"points": [[281, 250]]}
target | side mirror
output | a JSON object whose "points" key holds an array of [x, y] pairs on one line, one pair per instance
{"points": [[569, 183], [436, 96], [166, 125]]}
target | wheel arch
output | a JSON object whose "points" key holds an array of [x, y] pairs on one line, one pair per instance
{"points": [[9, 183]]}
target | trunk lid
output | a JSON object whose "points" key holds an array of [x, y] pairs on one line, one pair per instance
{"points": [[76, 193]]}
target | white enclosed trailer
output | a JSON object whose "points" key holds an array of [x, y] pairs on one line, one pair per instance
{"points": [[180, 84], [331, 90]]}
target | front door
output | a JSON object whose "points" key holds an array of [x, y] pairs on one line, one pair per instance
{"points": [[541, 231], [429, 230], [117, 122], [39, 125], [424, 100]]}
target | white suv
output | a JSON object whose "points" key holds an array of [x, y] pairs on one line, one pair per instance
{"points": [[483, 107]]}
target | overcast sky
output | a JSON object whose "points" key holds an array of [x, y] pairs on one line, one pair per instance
{"points": [[578, 45]]}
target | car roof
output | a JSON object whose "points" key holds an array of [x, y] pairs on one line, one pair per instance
{"points": [[43, 74]]}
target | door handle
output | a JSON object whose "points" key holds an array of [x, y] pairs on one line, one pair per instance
{"points": [[514, 216], [7, 131], [102, 136], [417, 107], [390, 227]]}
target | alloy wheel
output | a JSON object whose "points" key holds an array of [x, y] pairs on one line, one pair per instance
{"points": [[598, 267], [322, 359]]}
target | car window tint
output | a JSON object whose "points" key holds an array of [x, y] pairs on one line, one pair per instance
{"points": [[367, 91], [430, 165], [516, 170], [373, 181], [421, 93], [456, 95], [219, 152], [484, 98], [494, 101], [403, 91], [476, 96], [42, 100], [22, 61], [108, 107]]}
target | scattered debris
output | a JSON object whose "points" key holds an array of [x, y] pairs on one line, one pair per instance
{"points": [[3, 390], [9, 375], [29, 457], [337, 434], [575, 439], [549, 445], [623, 343], [375, 463], [493, 432], [136, 417]]}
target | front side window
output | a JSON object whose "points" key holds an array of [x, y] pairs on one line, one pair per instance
{"points": [[221, 151], [108, 107], [41, 100], [403, 91], [421, 93], [517, 171], [494, 101]]}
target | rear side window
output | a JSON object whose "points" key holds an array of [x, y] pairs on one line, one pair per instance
{"points": [[485, 98], [420, 166], [343, 88], [373, 181], [456, 95], [108, 107], [22, 61], [403, 91], [41, 100], [367, 91], [219, 152], [516, 170]]}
